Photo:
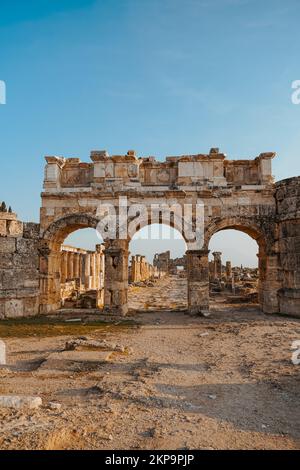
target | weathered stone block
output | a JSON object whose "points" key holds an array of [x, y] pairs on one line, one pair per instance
{"points": [[6, 261], [26, 246], [3, 232], [15, 401], [31, 305], [14, 308], [31, 230], [7, 245], [26, 260], [15, 228]]}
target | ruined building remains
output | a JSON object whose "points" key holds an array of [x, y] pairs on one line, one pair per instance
{"points": [[237, 194], [82, 271], [140, 270]]}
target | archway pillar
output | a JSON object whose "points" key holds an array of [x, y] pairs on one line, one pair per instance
{"points": [[50, 277], [269, 282], [198, 281], [116, 277]]}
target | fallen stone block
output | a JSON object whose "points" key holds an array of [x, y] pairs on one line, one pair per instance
{"points": [[15, 401], [83, 344], [53, 405], [74, 360]]}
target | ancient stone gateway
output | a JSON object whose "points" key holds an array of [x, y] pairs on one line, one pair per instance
{"points": [[236, 194]]}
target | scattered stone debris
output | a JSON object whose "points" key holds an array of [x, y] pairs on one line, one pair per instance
{"points": [[212, 397], [83, 343], [52, 405]]}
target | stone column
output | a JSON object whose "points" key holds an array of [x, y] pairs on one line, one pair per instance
{"points": [[92, 281], [143, 268], [102, 269], [269, 281], [217, 265], [198, 281], [133, 269], [116, 276], [76, 265], [98, 270], [70, 266], [82, 271], [64, 267], [87, 271], [228, 270], [50, 264]]}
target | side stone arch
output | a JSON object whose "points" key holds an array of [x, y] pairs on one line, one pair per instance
{"points": [[51, 240], [116, 264], [251, 227], [265, 232], [61, 228]]}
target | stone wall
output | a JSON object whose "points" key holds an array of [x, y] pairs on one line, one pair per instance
{"points": [[19, 267], [288, 207]]}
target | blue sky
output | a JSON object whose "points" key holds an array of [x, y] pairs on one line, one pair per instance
{"points": [[163, 77]]}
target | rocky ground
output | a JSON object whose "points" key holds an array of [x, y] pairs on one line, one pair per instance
{"points": [[179, 382]]}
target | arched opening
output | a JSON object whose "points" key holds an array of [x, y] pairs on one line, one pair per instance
{"points": [[71, 264], [157, 269], [236, 268], [233, 267], [82, 270]]}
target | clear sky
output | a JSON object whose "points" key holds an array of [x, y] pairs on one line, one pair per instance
{"points": [[163, 77]]}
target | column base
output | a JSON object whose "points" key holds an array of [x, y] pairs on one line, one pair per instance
{"points": [[120, 311], [199, 311]]}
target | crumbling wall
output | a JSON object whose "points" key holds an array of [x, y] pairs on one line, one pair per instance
{"points": [[19, 267]]}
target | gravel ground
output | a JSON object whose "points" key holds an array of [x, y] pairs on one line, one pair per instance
{"points": [[223, 382]]}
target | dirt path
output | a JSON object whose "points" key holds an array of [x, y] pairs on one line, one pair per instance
{"points": [[197, 383]]}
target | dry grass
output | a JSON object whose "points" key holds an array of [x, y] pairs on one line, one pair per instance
{"points": [[45, 327]]}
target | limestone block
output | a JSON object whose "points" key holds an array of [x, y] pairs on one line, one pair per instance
{"points": [[13, 278], [7, 245], [26, 246], [31, 230], [3, 232], [6, 261], [15, 228], [15, 401], [34, 283], [14, 308], [31, 305], [26, 260], [2, 353]]}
